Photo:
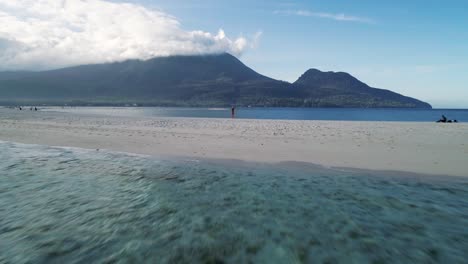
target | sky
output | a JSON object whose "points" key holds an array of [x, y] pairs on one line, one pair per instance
{"points": [[417, 48]]}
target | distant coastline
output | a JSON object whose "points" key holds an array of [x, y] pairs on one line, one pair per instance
{"points": [[181, 104]]}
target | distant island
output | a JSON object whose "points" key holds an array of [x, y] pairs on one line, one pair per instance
{"points": [[200, 81]]}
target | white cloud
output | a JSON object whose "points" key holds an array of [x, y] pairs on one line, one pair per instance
{"points": [[43, 34], [333, 16]]}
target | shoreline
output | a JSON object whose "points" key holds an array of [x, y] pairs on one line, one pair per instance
{"points": [[413, 147], [287, 166]]}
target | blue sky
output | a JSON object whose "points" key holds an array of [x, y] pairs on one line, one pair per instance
{"points": [[418, 48]]}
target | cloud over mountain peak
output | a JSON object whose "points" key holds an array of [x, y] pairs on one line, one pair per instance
{"points": [[42, 34]]}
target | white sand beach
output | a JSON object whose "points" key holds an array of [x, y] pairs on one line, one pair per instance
{"points": [[428, 148]]}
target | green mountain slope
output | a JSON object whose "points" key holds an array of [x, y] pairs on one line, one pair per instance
{"points": [[340, 89], [210, 80]]}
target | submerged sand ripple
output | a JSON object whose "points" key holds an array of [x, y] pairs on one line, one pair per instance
{"points": [[74, 205]]}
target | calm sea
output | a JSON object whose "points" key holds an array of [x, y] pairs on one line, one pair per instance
{"points": [[69, 205], [351, 114]]}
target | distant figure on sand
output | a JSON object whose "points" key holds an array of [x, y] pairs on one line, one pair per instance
{"points": [[233, 111], [442, 120], [445, 120]]}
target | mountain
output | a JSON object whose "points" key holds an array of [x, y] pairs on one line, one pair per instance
{"points": [[209, 80], [340, 89]]}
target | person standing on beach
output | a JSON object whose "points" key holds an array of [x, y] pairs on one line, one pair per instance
{"points": [[233, 111]]}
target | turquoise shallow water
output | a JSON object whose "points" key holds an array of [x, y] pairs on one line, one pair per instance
{"points": [[344, 114], [63, 205]]}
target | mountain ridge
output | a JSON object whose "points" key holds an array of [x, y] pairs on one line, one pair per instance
{"points": [[329, 86], [202, 80]]}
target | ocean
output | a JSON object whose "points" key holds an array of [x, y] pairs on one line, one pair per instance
{"points": [[70, 205], [341, 114]]}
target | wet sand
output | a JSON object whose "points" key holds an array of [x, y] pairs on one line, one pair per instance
{"points": [[428, 148]]}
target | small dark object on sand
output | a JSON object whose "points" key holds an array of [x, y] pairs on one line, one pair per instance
{"points": [[445, 120], [442, 120]]}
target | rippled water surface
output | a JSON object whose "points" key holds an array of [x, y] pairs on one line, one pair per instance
{"points": [[62, 205]]}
